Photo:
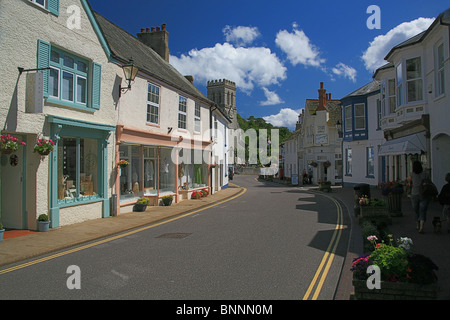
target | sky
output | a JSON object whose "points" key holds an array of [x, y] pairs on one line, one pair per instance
{"points": [[278, 52]]}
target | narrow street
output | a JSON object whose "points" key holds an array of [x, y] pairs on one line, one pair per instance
{"points": [[273, 243]]}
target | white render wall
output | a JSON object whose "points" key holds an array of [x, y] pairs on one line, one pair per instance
{"points": [[23, 24]]}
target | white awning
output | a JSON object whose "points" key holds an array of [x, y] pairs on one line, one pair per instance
{"points": [[413, 144]]}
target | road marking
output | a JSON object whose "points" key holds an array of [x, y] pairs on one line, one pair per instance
{"points": [[328, 257], [63, 253]]}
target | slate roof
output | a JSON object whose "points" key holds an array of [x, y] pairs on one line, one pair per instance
{"points": [[369, 88], [124, 46]]}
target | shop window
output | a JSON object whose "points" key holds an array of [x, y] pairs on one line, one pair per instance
{"points": [[150, 173], [130, 176], [166, 172], [77, 169]]}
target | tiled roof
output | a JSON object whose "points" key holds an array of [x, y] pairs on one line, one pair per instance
{"points": [[124, 46]]}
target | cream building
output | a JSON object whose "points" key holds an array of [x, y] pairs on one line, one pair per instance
{"points": [[69, 99]]}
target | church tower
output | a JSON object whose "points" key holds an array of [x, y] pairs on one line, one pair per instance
{"points": [[223, 93]]}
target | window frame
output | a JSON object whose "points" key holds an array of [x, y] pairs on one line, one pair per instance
{"points": [[359, 117], [370, 162], [76, 74], [182, 113], [348, 162], [151, 104], [440, 69], [414, 84], [197, 118], [392, 96], [348, 118], [399, 84]]}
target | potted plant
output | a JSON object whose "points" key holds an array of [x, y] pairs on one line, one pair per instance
{"points": [[123, 163], [43, 146], [2, 230], [402, 273], [393, 191], [324, 185], [141, 204], [167, 200], [196, 195], [43, 222], [9, 144], [373, 209]]}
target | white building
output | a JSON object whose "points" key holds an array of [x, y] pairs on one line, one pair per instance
{"points": [[319, 144], [415, 103], [163, 127]]}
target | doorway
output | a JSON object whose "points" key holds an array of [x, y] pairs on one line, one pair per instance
{"points": [[13, 213]]}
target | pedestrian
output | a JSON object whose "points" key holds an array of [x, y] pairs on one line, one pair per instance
{"points": [[419, 202], [444, 199], [310, 175]]}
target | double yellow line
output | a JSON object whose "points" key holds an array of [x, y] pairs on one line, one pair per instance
{"points": [[328, 257], [63, 253]]}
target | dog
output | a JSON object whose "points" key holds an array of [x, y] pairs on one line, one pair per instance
{"points": [[437, 224]]}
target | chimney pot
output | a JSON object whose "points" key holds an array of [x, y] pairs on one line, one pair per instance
{"points": [[153, 29], [158, 29], [163, 26], [142, 30], [321, 85]]}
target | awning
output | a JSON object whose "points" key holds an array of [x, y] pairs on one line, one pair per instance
{"points": [[413, 144]]}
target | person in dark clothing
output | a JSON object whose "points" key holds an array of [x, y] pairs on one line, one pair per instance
{"points": [[444, 199]]}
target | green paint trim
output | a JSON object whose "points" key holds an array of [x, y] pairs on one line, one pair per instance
{"points": [[98, 31]]}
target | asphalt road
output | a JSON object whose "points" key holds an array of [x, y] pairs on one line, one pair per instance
{"points": [[271, 243]]}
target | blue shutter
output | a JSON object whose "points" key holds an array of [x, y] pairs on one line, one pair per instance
{"points": [[43, 61], [96, 85], [53, 6]]}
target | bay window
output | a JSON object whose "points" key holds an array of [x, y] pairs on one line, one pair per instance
{"points": [[360, 116], [392, 96], [414, 79], [399, 85], [370, 161], [348, 118]]}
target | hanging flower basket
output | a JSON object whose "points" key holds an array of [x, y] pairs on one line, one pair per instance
{"points": [[123, 163], [327, 164], [9, 144], [44, 147]]}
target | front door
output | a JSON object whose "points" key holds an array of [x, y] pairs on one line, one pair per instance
{"points": [[12, 214]]}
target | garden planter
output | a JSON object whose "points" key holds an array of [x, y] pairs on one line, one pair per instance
{"points": [[375, 213], [139, 207], [167, 202], [43, 226], [395, 291], [395, 204], [325, 187]]}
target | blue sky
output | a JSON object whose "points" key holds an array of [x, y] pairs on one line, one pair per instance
{"points": [[277, 52]]}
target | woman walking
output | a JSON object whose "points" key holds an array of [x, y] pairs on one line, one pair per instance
{"points": [[419, 202]]}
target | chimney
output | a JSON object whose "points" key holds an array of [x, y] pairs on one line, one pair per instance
{"points": [[190, 78], [322, 97], [157, 40]]}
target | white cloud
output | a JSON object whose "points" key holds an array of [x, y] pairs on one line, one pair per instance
{"points": [[240, 35], [246, 67], [271, 98], [374, 56], [287, 117], [344, 70], [298, 48]]}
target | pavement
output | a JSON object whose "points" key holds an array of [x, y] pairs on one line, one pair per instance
{"points": [[436, 246]]}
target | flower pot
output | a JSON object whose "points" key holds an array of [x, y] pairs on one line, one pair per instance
{"points": [[44, 153], [395, 204], [139, 207], [7, 151], [43, 226], [395, 291], [167, 202]]}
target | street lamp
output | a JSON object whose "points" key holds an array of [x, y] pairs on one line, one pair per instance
{"points": [[130, 71]]}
